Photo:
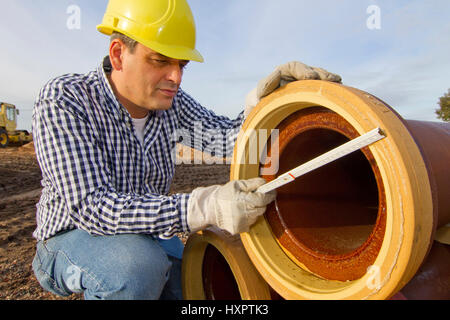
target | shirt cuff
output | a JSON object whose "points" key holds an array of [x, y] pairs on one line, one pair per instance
{"points": [[183, 210]]}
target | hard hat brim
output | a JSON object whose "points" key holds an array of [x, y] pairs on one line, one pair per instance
{"points": [[171, 51]]}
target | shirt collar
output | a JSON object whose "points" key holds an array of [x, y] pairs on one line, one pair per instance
{"points": [[104, 68]]}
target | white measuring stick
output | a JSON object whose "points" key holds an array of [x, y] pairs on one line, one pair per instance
{"points": [[330, 156]]}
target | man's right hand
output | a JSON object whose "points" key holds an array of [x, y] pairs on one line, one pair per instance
{"points": [[233, 207]]}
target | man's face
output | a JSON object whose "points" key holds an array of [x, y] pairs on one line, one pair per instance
{"points": [[149, 80]]}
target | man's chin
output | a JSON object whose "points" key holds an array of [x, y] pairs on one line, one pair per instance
{"points": [[160, 107], [164, 107]]}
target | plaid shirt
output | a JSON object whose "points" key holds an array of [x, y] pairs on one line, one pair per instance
{"points": [[97, 176]]}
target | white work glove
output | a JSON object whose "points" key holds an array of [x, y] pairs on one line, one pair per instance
{"points": [[282, 75], [233, 207]]}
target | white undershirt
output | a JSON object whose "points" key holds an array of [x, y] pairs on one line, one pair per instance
{"points": [[139, 126]]}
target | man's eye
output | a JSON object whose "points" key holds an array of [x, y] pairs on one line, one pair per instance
{"points": [[159, 62]]}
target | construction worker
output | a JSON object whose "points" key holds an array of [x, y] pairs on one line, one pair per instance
{"points": [[106, 226]]}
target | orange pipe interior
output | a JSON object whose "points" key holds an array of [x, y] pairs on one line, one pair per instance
{"points": [[331, 220]]}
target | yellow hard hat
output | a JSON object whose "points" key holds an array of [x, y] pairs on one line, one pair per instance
{"points": [[165, 26]]}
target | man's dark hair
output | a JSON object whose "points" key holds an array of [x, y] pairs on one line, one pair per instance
{"points": [[129, 43]]}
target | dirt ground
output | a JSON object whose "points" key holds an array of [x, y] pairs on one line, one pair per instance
{"points": [[20, 190]]}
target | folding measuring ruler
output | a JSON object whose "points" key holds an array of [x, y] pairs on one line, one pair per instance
{"points": [[330, 156]]}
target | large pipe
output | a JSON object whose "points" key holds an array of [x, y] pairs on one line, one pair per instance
{"points": [[432, 281], [358, 228], [216, 267]]}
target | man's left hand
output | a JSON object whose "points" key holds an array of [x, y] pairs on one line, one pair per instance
{"points": [[282, 75]]}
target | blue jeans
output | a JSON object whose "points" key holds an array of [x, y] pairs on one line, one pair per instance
{"points": [[121, 267]]}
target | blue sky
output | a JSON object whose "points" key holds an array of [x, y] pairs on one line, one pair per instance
{"points": [[405, 63]]}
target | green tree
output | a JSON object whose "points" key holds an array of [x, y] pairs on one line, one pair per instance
{"points": [[444, 111]]}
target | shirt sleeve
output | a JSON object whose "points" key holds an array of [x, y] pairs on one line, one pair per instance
{"points": [[73, 166], [203, 130]]}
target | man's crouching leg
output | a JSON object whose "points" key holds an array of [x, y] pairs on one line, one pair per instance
{"points": [[118, 267]]}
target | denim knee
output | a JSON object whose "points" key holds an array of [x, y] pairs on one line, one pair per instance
{"points": [[139, 269], [116, 267], [138, 278], [43, 266]]}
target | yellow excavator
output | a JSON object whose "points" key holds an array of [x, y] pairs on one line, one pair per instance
{"points": [[8, 127]]}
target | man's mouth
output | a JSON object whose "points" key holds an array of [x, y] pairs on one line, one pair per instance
{"points": [[169, 92]]}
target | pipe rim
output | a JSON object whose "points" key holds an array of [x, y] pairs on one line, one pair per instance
{"points": [[404, 175], [250, 284]]}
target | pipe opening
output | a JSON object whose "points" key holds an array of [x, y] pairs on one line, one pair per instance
{"points": [[218, 279], [329, 217], [331, 211]]}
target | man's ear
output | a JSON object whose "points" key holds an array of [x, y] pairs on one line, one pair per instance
{"points": [[116, 51]]}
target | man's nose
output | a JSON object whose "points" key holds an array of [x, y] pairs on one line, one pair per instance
{"points": [[175, 74]]}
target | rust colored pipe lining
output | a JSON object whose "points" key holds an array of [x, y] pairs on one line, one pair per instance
{"points": [[360, 227], [331, 221]]}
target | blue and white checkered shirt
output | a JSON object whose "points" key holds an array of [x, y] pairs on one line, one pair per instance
{"points": [[97, 176]]}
